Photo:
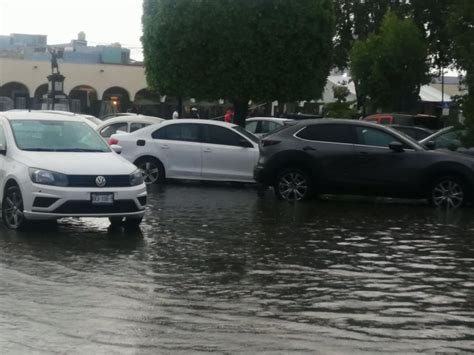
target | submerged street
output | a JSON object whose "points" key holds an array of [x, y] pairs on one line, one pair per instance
{"points": [[215, 268]]}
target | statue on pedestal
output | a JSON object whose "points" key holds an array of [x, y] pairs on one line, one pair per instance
{"points": [[55, 54]]}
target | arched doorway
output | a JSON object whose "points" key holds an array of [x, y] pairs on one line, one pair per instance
{"points": [[148, 103], [84, 99], [18, 92], [115, 99], [39, 97]]}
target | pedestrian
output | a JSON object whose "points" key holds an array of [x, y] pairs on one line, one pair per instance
{"points": [[194, 113], [229, 115], [175, 115]]}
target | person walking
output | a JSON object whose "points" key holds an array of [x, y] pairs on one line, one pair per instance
{"points": [[175, 115], [195, 113], [229, 115]]}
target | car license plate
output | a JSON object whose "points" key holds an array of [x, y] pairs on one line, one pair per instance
{"points": [[102, 198]]}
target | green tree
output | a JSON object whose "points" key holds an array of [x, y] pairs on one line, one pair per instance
{"points": [[389, 67], [259, 50], [357, 19], [341, 108], [432, 17], [461, 25]]}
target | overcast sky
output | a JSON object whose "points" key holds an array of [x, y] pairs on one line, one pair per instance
{"points": [[103, 21]]}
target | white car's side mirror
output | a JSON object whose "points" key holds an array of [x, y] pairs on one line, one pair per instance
{"points": [[116, 148]]}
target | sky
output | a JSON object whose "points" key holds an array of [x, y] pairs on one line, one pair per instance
{"points": [[103, 21]]}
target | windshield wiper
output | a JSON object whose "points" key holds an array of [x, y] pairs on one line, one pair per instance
{"points": [[39, 150], [80, 150]]}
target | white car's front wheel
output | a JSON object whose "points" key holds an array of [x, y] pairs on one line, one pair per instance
{"points": [[12, 209]]}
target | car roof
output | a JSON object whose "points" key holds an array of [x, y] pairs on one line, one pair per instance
{"points": [[135, 118], [336, 121], [410, 127], [277, 119], [199, 121], [41, 115]]}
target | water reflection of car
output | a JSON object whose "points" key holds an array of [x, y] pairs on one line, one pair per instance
{"points": [[126, 124], [192, 150], [261, 126], [356, 157], [417, 133], [54, 166]]}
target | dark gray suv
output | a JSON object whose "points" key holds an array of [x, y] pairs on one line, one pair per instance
{"points": [[356, 157]]}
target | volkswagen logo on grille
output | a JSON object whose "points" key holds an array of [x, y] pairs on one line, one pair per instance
{"points": [[100, 181]]}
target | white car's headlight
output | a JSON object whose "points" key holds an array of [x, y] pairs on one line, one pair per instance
{"points": [[136, 178], [46, 177]]}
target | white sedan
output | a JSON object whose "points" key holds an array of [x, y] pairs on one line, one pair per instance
{"points": [[125, 124], [54, 165], [191, 149]]}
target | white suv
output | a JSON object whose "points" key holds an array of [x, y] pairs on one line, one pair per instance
{"points": [[54, 166]]}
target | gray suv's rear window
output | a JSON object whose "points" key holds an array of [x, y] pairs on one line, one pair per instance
{"points": [[335, 133]]}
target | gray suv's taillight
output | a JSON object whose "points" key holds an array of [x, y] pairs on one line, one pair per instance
{"points": [[268, 142]]}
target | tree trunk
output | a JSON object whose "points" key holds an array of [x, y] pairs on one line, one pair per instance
{"points": [[241, 110]]}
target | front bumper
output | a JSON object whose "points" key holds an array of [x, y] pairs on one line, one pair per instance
{"points": [[49, 202], [261, 175]]}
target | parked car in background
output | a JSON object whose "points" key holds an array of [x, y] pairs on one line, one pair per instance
{"points": [[417, 133], [446, 138], [261, 126], [191, 149], [356, 157], [93, 119], [427, 121], [126, 124], [54, 165], [301, 116]]}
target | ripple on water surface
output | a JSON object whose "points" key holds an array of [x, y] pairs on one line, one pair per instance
{"points": [[214, 268]]}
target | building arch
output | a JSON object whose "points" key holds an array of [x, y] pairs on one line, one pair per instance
{"points": [[115, 99], [84, 99], [39, 96], [148, 103], [18, 92]]}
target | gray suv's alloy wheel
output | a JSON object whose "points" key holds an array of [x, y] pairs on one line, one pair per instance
{"points": [[293, 185], [448, 192]]}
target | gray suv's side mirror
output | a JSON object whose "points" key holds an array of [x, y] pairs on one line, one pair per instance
{"points": [[431, 145], [3, 149], [396, 147]]}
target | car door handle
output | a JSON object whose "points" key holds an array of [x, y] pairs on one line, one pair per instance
{"points": [[207, 150], [308, 149], [165, 146], [364, 153]]}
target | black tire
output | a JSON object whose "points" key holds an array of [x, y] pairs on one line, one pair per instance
{"points": [[448, 192], [293, 184], [12, 209], [152, 169], [132, 223], [126, 222], [116, 221]]}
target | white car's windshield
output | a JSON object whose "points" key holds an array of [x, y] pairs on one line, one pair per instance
{"points": [[57, 136]]}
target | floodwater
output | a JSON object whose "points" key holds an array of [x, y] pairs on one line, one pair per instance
{"points": [[217, 269]]}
